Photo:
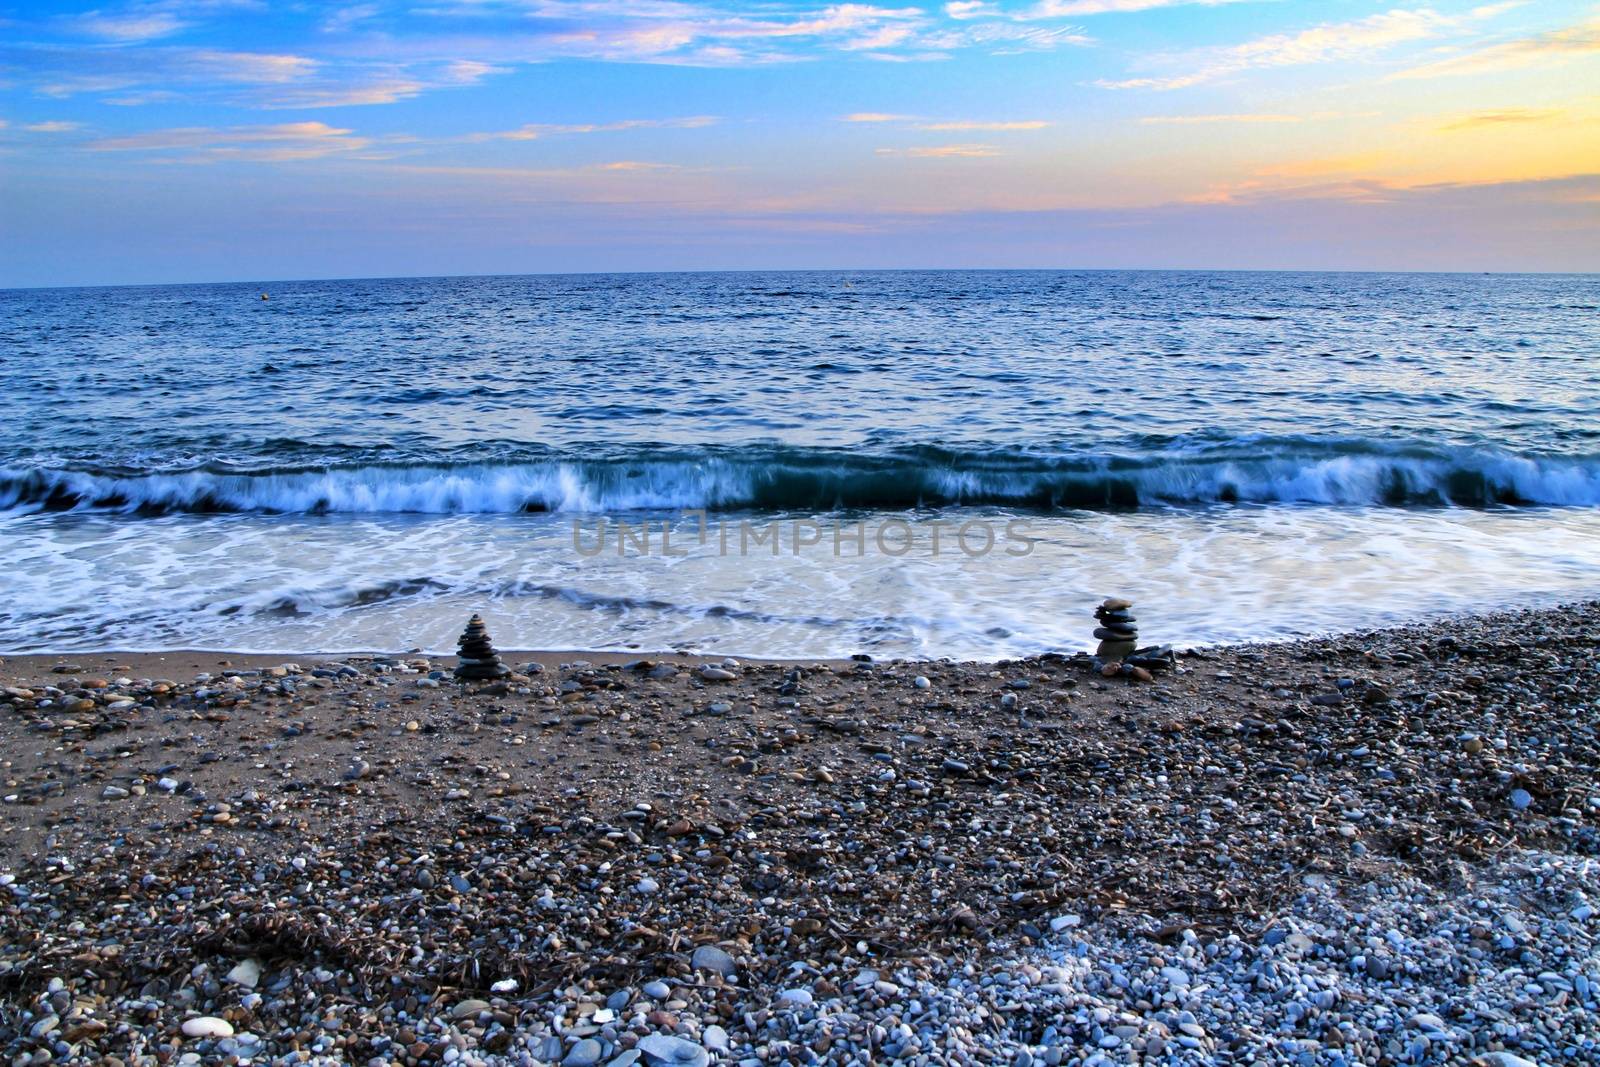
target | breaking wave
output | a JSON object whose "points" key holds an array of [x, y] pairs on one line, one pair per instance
{"points": [[777, 479]]}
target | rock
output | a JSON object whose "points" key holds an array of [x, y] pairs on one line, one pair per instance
{"points": [[206, 1026], [627, 1059], [661, 671], [467, 1009], [656, 990], [1503, 1059], [662, 1050], [245, 973], [713, 959], [1521, 799], [796, 998], [717, 674], [113, 792], [478, 661], [921, 682], [585, 1053]]}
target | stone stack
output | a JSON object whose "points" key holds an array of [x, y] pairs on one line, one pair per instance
{"points": [[479, 661], [1118, 636]]}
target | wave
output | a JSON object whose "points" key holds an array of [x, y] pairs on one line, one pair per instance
{"points": [[786, 479]]}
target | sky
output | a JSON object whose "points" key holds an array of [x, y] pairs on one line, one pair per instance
{"points": [[211, 140]]}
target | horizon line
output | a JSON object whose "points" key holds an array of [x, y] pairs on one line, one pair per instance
{"points": [[795, 270]]}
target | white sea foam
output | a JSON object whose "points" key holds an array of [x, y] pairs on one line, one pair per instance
{"points": [[1199, 576], [766, 479]]}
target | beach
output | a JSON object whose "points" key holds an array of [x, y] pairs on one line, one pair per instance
{"points": [[1377, 847]]}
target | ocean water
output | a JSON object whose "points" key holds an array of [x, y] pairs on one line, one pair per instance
{"points": [[903, 463]]}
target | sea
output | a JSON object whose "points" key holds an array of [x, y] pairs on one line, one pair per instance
{"points": [[797, 464]]}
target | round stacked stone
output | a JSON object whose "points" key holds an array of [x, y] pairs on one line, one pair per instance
{"points": [[479, 661], [1118, 636]]}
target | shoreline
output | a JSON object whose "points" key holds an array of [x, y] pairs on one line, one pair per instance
{"points": [[657, 855], [41, 661]]}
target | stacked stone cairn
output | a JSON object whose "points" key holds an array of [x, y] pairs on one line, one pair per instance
{"points": [[1118, 652], [479, 661]]}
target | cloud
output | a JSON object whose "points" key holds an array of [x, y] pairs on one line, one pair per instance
{"points": [[1006, 38], [743, 35], [1319, 44], [470, 72], [1504, 117], [154, 73], [154, 96], [915, 123], [948, 151], [54, 126], [1323, 167], [129, 28], [1031, 124], [1054, 9], [281, 142], [256, 68], [882, 37], [382, 84], [382, 91], [1188, 120], [970, 9], [345, 17], [1557, 46], [635, 164], [63, 87], [535, 130]]}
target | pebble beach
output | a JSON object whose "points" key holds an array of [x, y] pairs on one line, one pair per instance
{"points": [[1375, 848]]}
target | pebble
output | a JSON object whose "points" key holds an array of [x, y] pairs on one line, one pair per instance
{"points": [[663, 1050], [469, 1008], [245, 973], [1191, 808], [585, 1053], [713, 959], [207, 1026]]}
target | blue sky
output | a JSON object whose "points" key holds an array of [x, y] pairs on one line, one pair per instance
{"points": [[214, 139]]}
